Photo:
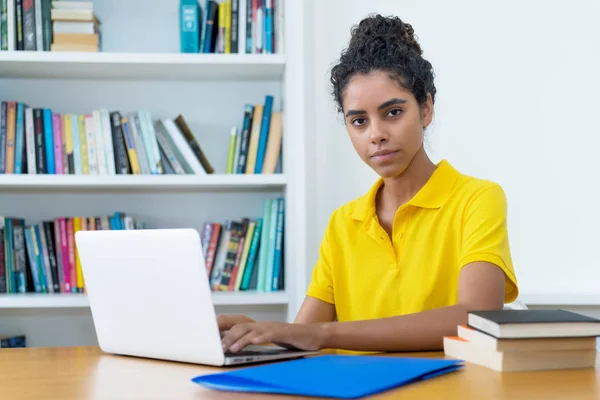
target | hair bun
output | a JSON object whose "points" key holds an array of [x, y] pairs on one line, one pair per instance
{"points": [[389, 27]]}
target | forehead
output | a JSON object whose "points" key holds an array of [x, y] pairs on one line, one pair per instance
{"points": [[368, 91]]}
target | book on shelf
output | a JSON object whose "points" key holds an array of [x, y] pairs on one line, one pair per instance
{"points": [[231, 26], [246, 254], [255, 148], [42, 257], [12, 341], [37, 140], [49, 25], [526, 340]]}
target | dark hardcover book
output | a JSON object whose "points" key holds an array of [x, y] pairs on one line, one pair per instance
{"points": [[49, 233], [17, 341], [121, 158], [40, 146], [19, 22], [29, 36], [47, 23], [19, 252], [9, 255], [3, 286], [235, 22], [3, 123], [245, 139], [248, 43], [3, 25], [193, 143], [533, 323], [212, 27]]}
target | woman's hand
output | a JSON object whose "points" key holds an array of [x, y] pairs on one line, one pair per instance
{"points": [[299, 336], [225, 322]]}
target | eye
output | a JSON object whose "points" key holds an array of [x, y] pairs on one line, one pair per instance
{"points": [[394, 112], [358, 121]]}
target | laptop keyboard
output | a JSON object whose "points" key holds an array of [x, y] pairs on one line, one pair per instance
{"points": [[258, 351]]}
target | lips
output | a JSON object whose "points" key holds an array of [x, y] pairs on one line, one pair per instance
{"points": [[383, 153]]}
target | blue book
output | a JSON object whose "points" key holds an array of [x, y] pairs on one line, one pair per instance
{"points": [[268, 35], [189, 21], [49, 141], [278, 245], [19, 138], [333, 376], [264, 134]]}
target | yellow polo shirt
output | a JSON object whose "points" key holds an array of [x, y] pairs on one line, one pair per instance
{"points": [[452, 221]]}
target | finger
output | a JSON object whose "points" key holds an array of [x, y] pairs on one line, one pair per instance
{"points": [[243, 341], [234, 334], [225, 322], [264, 338]]}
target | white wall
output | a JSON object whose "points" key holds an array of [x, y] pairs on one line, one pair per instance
{"points": [[517, 84]]}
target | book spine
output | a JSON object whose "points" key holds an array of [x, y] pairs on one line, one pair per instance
{"points": [[49, 233], [46, 257], [19, 251], [235, 22], [40, 152], [189, 26], [211, 252], [264, 134], [8, 255], [33, 266], [99, 142], [47, 24], [58, 249], [30, 140], [39, 30], [58, 143], [20, 45], [19, 138], [71, 245], [37, 245], [277, 265], [3, 282], [11, 25], [120, 151], [3, 125], [251, 263], [91, 144], [130, 146], [245, 139], [29, 31], [83, 145], [268, 27], [49, 141], [11, 120]]}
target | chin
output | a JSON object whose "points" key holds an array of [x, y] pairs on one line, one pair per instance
{"points": [[389, 171]]}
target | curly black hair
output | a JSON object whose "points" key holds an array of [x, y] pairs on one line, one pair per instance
{"points": [[384, 44]]}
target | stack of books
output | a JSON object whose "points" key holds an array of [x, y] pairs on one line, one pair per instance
{"points": [[74, 27], [526, 340]]}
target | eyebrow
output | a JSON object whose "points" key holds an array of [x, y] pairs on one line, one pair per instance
{"points": [[388, 103]]}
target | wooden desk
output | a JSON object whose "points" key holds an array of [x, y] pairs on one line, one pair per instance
{"points": [[87, 373]]}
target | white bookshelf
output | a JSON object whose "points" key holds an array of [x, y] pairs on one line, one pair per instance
{"points": [[142, 69], [132, 182], [141, 66], [50, 300]]}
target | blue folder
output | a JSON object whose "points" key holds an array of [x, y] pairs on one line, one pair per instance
{"points": [[334, 376]]}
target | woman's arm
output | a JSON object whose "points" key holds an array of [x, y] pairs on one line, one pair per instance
{"points": [[481, 287], [314, 311]]}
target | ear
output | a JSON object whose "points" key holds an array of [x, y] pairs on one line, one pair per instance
{"points": [[427, 111]]}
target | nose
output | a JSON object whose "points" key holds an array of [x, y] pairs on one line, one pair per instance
{"points": [[377, 133]]}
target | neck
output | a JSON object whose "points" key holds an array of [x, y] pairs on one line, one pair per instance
{"points": [[398, 190]]}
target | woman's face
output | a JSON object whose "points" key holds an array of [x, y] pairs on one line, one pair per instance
{"points": [[385, 122]]}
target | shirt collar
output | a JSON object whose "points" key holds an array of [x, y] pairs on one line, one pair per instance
{"points": [[432, 195]]}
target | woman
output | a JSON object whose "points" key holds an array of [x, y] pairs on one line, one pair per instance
{"points": [[401, 266]]}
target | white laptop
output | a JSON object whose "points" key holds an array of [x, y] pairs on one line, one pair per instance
{"points": [[150, 297]]}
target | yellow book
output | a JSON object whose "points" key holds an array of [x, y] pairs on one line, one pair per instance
{"points": [[85, 165], [136, 169], [221, 34], [228, 26], [254, 137], [242, 267], [68, 142], [78, 271], [230, 158]]}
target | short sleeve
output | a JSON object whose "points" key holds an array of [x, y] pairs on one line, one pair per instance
{"points": [[321, 285], [485, 235]]}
